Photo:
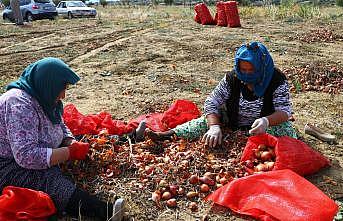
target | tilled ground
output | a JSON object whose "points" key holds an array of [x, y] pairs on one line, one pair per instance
{"points": [[139, 60]]}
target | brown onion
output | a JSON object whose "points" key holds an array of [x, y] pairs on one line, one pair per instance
{"points": [[193, 206], [204, 188], [166, 196], [171, 203], [194, 179], [266, 155]]}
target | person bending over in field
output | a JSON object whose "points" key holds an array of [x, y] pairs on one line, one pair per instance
{"points": [[254, 96], [34, 140]]}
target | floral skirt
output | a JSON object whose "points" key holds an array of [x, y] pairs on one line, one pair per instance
{"points": [[197, 127]]}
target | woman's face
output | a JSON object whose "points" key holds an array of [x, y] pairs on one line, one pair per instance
{"points": [[246, 67], [62, 95]]}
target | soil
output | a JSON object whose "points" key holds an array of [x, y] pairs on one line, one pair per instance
{"points": [[139, 60]]}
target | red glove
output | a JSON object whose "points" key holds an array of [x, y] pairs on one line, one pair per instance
{"points": [[78, 150]]}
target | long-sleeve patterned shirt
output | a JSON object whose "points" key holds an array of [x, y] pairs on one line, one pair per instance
{"points": [[248, 111], [26, 133]]}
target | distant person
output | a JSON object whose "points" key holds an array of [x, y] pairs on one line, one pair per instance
{"points": [[15, 6], [255, 96], [34, 140]]}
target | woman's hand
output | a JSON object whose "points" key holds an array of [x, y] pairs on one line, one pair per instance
{"points": [[213, 136], [78, 150], [259, 126]]}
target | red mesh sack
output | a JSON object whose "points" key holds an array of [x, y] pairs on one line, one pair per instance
{"points": [[215, 18], [290, 154], [221, 20], [232, 16], [153, 122], [197, 18], [18, 203], [276, 195], [180, 112], [203, 13], [77, 122]]}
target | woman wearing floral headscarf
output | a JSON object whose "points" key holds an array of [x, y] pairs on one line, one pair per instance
{"points": [[34, 140], [255, 95]]}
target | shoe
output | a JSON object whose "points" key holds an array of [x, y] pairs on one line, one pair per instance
{"points": [[319, 134], [118, 210]]}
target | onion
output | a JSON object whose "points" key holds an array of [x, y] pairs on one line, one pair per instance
{"points": [[181, 191], [269, 165], [171, 203], [208, 174], [207, 180], [156, 197], [249, 164], [272, 152], [257, 153], [266, 155], [192, 194], [204, 188], [193, 206], [261, 167], [163, 183], [166, 195], [217, 178], [223, 181], [194, 179], [262, 147], [173, 189], [218, 185]]}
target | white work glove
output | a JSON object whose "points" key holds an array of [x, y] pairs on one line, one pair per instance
{"points": [[259, 126], [213, 136]]}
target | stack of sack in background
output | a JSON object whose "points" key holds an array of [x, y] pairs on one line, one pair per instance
{"points": [[226, 15]]}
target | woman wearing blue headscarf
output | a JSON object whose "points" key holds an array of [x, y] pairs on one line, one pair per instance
{"points": [[255, 96], [34, 140]]}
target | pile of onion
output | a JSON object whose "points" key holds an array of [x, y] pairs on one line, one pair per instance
{"points": [[263, 160]]}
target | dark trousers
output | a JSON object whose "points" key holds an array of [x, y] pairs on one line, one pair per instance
{"points": [[82, 203]]}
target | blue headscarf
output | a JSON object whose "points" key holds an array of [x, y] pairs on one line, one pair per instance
{"points": [[257, 54], [45, 80]]}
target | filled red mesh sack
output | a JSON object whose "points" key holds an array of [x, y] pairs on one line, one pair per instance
{"points": [[204, 14], [232, 16], [221, 20], [276, 195], [197, 18], [18, 203], [290, 153]]}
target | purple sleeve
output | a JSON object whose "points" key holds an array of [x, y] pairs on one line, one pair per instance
{"points": [[22, 123]]}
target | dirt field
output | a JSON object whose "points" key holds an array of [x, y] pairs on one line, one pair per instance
{"points": [[139, 60]]}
